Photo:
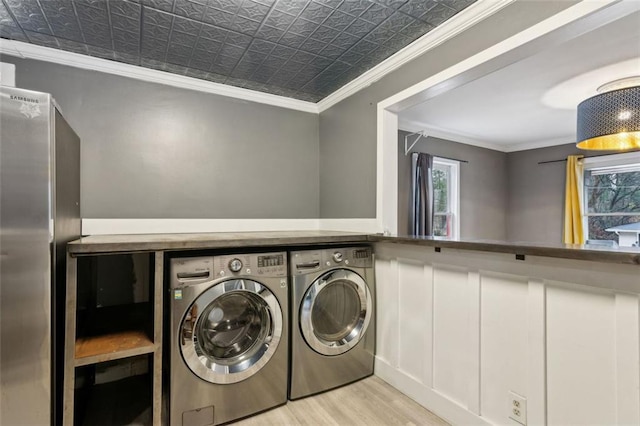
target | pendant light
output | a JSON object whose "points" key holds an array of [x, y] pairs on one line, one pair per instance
{"points": [[610, 120]]}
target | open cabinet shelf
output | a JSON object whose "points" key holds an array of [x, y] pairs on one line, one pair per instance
{"points": [[113, 332], [113, 315], [107, 347], [114, 400]]}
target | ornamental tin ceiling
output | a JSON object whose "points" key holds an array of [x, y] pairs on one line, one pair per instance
{"points": [[303, 49]]}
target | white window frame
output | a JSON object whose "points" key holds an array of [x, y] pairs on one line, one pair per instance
{"points": [[591, 163], [453, 192]]}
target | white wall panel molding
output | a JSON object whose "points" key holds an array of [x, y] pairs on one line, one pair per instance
{"points": [[451, 366], [537, 353], [503, 342], [428, 325], [462, 329], [581, 272], [473, 334], [415, 348], [581, 355], [627, 337], [387, 301]]}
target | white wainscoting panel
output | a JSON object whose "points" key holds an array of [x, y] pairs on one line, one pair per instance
{"points": [[458, 330], [536, 353], [473, 354], [387, 327], [451, 343], [581, 358], [627, 355], [504, 347], [415, 358]]}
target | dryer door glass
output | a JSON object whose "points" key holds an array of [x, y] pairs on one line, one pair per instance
{"points": [[335, 312], [231, 331]]}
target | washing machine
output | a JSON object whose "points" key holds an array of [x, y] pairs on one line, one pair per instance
{"points": [[228, 337], [332, 318]]}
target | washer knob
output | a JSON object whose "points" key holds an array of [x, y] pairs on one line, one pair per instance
{"points": [[235, 265], [337, 257]]}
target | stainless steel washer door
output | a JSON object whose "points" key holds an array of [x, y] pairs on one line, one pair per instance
{"points": [[335, 312], [231, 331]]}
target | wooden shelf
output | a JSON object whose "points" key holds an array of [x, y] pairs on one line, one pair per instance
{"points": [[107, 347]]}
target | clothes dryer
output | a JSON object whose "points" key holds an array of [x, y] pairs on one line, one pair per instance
{"points": [[228, 337], [332, 318]]}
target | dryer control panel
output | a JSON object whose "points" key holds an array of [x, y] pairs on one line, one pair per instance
{"points": [[309, 261]]}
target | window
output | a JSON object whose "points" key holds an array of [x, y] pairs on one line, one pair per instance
{"points": [[611, 202], [446, 220]]}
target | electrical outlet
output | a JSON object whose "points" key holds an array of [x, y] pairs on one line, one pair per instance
{"points": [[518, 408]]}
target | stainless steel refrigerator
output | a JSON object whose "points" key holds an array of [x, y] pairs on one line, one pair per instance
{"points": [[39, 214]]}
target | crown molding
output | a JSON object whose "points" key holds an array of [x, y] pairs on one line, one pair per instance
{"points": [[62, 57], [460, 22], [539, 144], [440, 133], [454, 26], [437, 132]]}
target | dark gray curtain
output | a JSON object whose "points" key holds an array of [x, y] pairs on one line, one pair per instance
{"points": [[421, 194]]}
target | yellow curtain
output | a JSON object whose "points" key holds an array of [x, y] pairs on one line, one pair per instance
{"points": [[573, 232]]}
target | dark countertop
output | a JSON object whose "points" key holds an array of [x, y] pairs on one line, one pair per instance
{"points": [[174, 242], [626, 255]]}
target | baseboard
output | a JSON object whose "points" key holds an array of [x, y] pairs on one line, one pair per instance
{"points": [[429, 398]]}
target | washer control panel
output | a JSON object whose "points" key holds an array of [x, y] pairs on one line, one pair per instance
{"points": [[195, 270], [235, 265], [357, 257], [258, 265], [191, 270], [309, 261]]}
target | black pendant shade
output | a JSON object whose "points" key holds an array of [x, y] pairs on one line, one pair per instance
{"points": [[610, 121]]}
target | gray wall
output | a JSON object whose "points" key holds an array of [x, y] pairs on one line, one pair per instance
{"points": [[503, 196], [155, 151], [348, 129], [536, 192], [483, 186]]}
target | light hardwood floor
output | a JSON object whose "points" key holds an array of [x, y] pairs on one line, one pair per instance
{"points": [[368, 402]]}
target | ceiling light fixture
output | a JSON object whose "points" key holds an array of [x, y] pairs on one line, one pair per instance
{"points": [[610, 120]]}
